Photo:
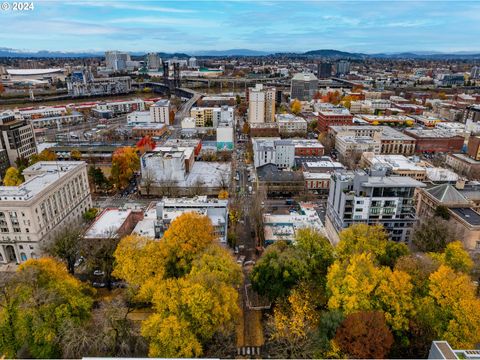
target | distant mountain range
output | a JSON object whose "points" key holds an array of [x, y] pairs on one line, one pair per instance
{"points": [[322, 53]]}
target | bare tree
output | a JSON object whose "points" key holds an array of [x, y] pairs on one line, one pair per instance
{"points": [[148, 178], [197, 187]]}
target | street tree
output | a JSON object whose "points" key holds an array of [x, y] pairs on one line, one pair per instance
{"points": [[279, 269], [66, 246], [296, 107], [364, 335], [125, 163], [45, 155], [44, 298], [12, 177]]}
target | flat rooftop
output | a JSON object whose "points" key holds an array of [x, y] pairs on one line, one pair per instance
{"points": [[432, 133], [467, 214], [107, 223], [392, 181], [39, 176]]}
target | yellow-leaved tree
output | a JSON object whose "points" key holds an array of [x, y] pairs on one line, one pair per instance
{"points": [[189, 279], [12, 177], [125, 162], [296, 107], [37, 305], [454, 308]]}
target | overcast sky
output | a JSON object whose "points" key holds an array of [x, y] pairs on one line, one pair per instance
{"points": [[361, 26]]}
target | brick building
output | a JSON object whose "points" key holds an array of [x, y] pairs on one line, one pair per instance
{"points": [[334, 117], [436, 140]]}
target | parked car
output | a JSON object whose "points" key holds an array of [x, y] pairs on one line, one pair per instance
{"points": [[97, 284], [79, 262], [98, 272], [241, 260]]}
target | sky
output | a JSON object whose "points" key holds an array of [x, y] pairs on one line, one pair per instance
{"points": [[293, 26]]}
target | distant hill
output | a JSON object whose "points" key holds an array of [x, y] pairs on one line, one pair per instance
{"points": [[7, 52], [231, 52], [335, 54], [327, 53]]}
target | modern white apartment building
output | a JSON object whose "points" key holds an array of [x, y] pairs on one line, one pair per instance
{"points": [[261, 104], [273, 151], [54, 196], [16, 137], [160, 112], [371, 198]]}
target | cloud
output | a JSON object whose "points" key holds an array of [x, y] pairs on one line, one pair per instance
{"points": [[129, 6]]}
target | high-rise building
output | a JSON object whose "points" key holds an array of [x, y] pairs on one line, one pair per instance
{"points": [[192, 62], [154, 62], [303, 86], [261, 104], [16, 137], [116, 60], [372, 198], [324, 70], [475, 73], [160, 112], [54, 195], [343, 67]]}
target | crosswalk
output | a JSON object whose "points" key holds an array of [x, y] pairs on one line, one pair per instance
{"points": [[248, 351]]}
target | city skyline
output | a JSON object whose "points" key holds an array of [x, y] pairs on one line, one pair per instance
{"points": [[275, 26]]}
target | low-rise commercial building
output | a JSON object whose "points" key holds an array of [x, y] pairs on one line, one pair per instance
{"points": [[159, 217], [391, 140], [436, 140], [464, 165], [291, 125], [121, 106], [54, 196], [285, 227]]}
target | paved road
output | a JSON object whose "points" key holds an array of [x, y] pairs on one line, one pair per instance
{"points": [[184, 110]]}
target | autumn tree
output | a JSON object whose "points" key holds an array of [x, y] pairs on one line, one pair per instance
{"points": [[364, 335], [66, 246], [12, 177], [296, 106], [452, 308], [45, 155], [223, 194], [2, 89], [455, 257], [146, 144], [292, 326], [36, 306], [189, 279], [125, 162], [75, 155]]}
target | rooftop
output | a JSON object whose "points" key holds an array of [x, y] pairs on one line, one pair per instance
{"points": [[107, 223], [447, 194], [392, 181], [467, 214], [39, 176], [304, 77], [432, 133]]}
